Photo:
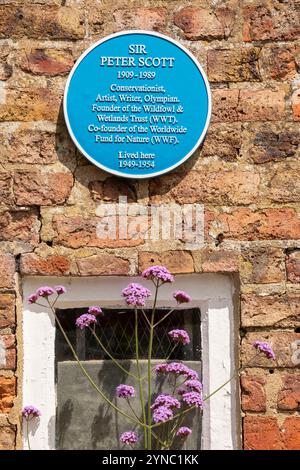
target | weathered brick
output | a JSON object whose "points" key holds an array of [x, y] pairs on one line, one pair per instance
{"points": [[30, 104], [214, 261], [176, 261], [217, 187], [7, 311], [50, 62], [41, 22], [225, 105], [253, 393], [263, 224], [141, 18], [20, 226], [293, 266], [7, 271], [275, 143], [261, 433], [29, 146], [8, 352], [7, 438], [285, 344], [291, 433], [103, 264], [282, 185], [34, 188], [6, 196], [262, 265], [7, 393], [296, 105], [289, 394], [111, 189], [52, 265], [223, 141], [233, 65], [278, 62], [199, 23], [270, 20], [79, 231], [270, 310], [5, 66]]}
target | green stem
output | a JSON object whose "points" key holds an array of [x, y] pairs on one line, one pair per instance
{"points": [[27, 431], [149, 366], [111, 357], [141, 392], [163, 318], [87, 375]]}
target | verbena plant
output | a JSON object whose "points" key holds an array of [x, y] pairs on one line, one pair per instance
{"points": [[160, 419]]}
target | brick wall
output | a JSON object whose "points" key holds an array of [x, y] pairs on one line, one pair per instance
{"points": [[246, 174]]}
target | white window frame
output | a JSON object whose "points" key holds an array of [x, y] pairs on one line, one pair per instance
{"points": [[213, 293]]}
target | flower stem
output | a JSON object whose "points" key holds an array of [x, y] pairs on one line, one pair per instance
{"points": [[164, 317], [141, 392], [149, 366], [27, 431]]}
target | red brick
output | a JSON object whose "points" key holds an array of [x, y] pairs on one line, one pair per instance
{"points": [[270, 20], [111, 189], [20, 226], [29, 146], [5, 66], [52, 265], [50, 62], [296, 105], [278, 62], [270, 310], [6, 196], [262, 105], [33, 188], [261, 433], [103, 265], [7, 438], [225, 105], [289, 395], [7, 393], [223, 141], [264, 224], [7, 311], [291, 433], [7, 271], [8, 352], [176, 261], [41, 22], [293, 266], [217, 261], [199, 23], [141, 18], [285, 344], [282, 186], [262, 265], [253, 393], [233, 65]]}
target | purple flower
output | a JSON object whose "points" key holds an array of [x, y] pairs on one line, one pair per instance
{"points": [[264, 348], [162, 414], [177, 368], [60, 290], [136, 294], [45, 291], [183, 432], [125, 391], [182, 297], [179, 336], [161, 273], [194, 385], [32, 298], [193, 398], [192, 374], [129, 437], [30, 412], [95, 310], [165, 400], [85, 320], [161, 368]]}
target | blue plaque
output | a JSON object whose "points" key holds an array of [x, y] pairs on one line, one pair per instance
{"points": [[137, 104]]}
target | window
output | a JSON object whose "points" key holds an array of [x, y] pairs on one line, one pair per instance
{"points": [[211, 322]]}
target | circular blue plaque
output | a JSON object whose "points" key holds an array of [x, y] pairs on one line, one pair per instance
{"points": [[137, 104]]}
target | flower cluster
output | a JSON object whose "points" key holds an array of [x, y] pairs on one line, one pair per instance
{"points": [[125, 391], [265, 348], [165, 400], [182, 297], [30, 412], [85, 320], [193, 398], [129, 437], [183, 432], [45, 292], [179, 336], [178, 369], [136, 294], [162, 414], [159, 273], [93, 310]]}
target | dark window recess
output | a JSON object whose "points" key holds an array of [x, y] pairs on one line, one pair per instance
{"points": [[116, 331]]}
